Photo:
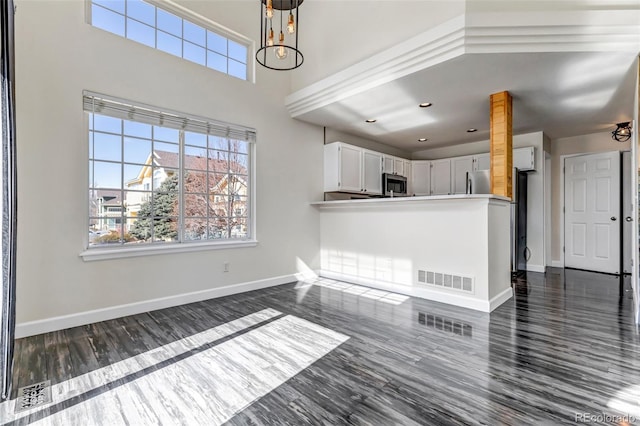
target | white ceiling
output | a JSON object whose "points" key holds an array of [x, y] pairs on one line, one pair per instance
{"points": [[563, 94], [571, 68]]}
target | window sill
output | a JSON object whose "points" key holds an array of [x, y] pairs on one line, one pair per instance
{"points": [[124, 252]]}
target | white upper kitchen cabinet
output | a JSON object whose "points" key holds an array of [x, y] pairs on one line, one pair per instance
{"points": [[398, 166], [349, 168], [441, 177], [395, 165], [407, 174], [481, 162], [387, 165], [524, 158], [342, 167], [421, 178], [371, 172], [460, 166]]}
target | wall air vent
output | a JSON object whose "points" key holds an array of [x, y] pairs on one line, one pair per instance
{"points": [[438, 279], [467, 284], [444, 280]]}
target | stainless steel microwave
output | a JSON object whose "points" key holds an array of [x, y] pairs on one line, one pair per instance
{"points": [[394, 185]]}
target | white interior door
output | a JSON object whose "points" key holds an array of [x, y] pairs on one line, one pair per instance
{"points": [[627, 215], [592, 212]]}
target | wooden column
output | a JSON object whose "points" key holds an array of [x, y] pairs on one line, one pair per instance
{"points": [[501, 137]]}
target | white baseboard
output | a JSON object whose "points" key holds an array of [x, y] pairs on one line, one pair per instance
{"points": [[32, 328], [500, 299], [557, 264], [450, 298], [535, 268], [453, 299]]}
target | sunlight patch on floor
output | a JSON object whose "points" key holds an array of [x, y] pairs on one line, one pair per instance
{"points": [[208, 387], [627, 401], [361, 291]]}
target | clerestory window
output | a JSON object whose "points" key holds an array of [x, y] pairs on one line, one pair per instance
{"points": [[188, 37]]}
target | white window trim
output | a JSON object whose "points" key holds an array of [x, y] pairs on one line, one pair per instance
{"points": [[208, 24], [164, 248], [106, 253]]}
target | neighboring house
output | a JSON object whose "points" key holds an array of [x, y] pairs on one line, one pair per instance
{"points": [[107, 210], [159, 166], [215, 191]]}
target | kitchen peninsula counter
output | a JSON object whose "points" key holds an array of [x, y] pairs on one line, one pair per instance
{"points": [[410, 199], [448, 248]]}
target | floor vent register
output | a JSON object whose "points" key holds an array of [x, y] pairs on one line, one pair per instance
{"points": [[33, 396]]}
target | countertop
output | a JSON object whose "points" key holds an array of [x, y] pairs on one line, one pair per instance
{"points": [[410, 199]]}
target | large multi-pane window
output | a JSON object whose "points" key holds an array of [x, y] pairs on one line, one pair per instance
{"points": [[161, 29], [162, 177]]}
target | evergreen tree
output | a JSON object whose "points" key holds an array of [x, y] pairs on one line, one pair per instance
{"points": [[159, 214]]}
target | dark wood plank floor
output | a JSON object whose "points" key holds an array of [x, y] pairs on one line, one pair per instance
{"points": [[565, 345]]}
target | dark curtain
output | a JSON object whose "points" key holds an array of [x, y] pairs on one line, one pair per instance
{"points": [[8, 199]]}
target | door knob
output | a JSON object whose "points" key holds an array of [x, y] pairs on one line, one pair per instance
{"points": [[628, 219], [613, 218]]}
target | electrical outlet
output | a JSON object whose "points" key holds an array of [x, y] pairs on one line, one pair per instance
{"points": [[226, 266]]}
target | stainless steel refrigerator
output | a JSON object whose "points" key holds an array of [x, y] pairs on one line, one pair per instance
{"points": [[519, 251], [478, 182]]}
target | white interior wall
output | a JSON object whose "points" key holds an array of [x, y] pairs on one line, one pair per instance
{"points": [[335, 35], [333, 135], [57, 56], [459, 150], [595, 142]]}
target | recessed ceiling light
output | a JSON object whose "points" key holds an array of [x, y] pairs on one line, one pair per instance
{"points": [[371, 120], [425, 104], [471, 130], [422, 140]]}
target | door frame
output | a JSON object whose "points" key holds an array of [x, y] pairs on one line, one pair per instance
{"points": [[635, 226], [623, 211], [548, 209], [562, 219]]}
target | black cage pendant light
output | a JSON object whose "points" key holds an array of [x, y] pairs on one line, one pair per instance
{"points": [[622, 133], [279, 35]]}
